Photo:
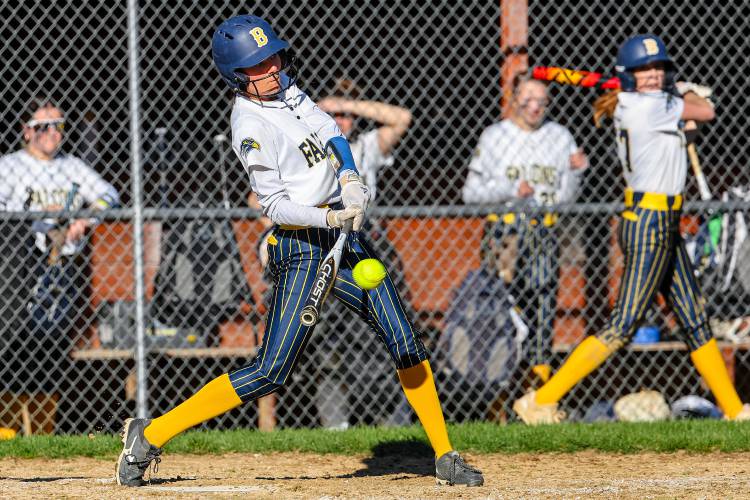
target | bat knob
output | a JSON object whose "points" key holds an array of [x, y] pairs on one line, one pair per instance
{"points": [[309, 316]]}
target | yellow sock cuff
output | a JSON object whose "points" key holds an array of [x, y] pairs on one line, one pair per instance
{"points": [[216, 397], [419, 387], [584, 359], [710, 364]]}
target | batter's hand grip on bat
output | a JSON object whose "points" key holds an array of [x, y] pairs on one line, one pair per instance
{"points": [[324, 279]]}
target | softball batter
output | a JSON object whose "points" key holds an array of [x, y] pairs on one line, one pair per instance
{"points": [[648, 118], [283, 140]]}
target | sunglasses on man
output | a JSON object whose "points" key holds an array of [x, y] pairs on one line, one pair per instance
{"points": [[45, 125]]}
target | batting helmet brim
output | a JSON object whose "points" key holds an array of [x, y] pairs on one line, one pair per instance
{"points": [[257, 57]]}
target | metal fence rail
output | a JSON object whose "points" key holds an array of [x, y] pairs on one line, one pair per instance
{"points": [[196, 257]]}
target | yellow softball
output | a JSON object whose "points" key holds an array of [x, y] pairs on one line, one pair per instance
{"points": [[369, 273]]}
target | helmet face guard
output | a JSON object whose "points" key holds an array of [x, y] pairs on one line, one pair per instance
{"points": [[286, 77], [639, 51]]}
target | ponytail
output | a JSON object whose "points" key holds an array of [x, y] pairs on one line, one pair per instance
{"points": [[604, 106]]}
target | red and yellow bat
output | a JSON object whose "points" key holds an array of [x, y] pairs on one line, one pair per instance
{"points": [[576, 77]]}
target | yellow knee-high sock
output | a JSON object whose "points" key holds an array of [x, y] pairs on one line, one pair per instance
{"points": [[583, 360], [215, 398], [419, 387], [707, 359]]}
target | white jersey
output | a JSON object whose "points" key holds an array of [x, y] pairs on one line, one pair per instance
{"points": [[369, 158], [281, 146], [507, 155], [651, 144], [31, 184]]}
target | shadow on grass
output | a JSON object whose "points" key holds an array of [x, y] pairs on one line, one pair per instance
{"points": [[388, 458]]}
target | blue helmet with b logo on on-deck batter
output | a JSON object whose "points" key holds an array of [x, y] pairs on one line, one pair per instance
{"points": [[244, 41], [638, 51]]}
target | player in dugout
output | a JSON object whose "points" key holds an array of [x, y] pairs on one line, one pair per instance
{"points": [[284, 141], [528, 159], [648, 115]]}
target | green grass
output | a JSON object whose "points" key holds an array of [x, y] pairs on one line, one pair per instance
{"points": [[691, 436]]}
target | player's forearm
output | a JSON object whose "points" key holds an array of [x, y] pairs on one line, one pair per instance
{"points": [[697, 108], [477, 191], [385, 114], [284, 211]]}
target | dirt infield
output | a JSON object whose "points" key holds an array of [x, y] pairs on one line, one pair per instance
{"points": [[293, 475]]}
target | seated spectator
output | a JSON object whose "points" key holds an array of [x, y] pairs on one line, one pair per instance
{"points": [[52, 278]]}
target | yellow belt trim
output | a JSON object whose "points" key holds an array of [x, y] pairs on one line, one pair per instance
{"points": [[654, 201], [548, 219]]}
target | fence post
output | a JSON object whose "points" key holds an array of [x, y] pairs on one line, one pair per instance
{"points": [[135, 154], [514, 25]]}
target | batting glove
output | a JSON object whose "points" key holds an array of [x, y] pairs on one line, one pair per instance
{"points": [[355, 194], [699, 90], [337, 218]]}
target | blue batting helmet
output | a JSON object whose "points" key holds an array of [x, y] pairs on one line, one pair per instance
{"points": [[638, 51], [242, 42]]}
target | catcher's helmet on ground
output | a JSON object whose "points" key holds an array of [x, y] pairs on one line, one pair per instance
{"points": [[242, 42], [638, 51]]}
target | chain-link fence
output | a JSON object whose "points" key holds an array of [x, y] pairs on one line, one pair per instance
{"points": [[68, 287]]}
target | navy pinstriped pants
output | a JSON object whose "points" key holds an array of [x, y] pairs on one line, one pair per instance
{"points": [[656, 261], [294, 256]]}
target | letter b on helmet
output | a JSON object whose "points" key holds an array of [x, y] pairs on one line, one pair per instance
{"points": [[260, 36], [242, 42]]}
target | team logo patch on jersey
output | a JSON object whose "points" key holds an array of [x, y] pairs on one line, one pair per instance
{"points": [[247, 145]]}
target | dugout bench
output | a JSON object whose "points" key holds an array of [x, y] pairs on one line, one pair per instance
{"points": [[427, 247]]}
